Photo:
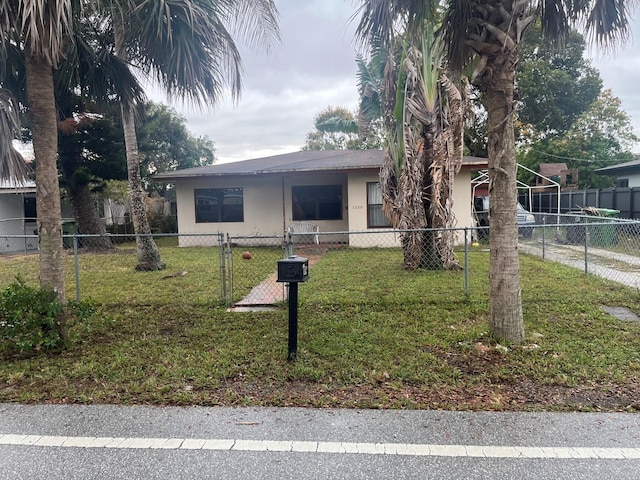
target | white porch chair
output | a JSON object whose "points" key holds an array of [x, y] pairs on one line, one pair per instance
{"points": [[305, 228]]}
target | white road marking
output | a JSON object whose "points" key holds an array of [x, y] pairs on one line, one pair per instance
{"points": [[361, 448]]}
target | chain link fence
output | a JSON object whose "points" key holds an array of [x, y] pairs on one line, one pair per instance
{"points": [[608, 247], [241, 271]]}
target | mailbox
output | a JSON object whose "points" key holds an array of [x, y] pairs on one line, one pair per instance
{"points": [[293, 269]]}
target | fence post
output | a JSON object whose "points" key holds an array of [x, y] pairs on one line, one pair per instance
{"points": [[229, 266], [466, 261], [77, 266], [223, 277], [544, 228], [586, 251], [289, 243]]}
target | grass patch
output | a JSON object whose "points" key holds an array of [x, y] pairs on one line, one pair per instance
{"points": [[371, 335]]}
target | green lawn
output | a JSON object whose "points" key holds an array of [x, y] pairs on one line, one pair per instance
{"points": [[371, 335]]}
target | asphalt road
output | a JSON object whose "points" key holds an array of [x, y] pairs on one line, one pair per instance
{"points": [[112, 442]]}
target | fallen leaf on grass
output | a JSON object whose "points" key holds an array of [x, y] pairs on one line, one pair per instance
{"points": [[174, 275]]}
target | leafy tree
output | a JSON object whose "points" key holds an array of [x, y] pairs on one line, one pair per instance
{"points": [[166, 144], [336, 128], [554, 87], [487, 33], [599, 137]]}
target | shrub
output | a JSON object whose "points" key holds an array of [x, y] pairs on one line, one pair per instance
{"points": [[30, 319]]}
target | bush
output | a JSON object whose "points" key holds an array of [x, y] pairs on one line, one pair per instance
{"points": [[29, 319], [161, 223]]}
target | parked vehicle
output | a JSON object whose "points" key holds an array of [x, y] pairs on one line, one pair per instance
{"points": [[481, 216]]}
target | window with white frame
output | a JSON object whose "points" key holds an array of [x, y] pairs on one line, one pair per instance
{"points": [[375, 216]]}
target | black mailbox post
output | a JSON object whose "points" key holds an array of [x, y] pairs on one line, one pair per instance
{"points": [[293, 270]]}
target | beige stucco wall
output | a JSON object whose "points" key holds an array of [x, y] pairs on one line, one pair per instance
{"points": [[358, 210], [262, 208], [264, 214], [262, 202], [634, 179], [462, 202], [379, 237]]}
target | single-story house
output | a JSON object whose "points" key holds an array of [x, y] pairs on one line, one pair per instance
{"points": [[628, 173], [17, 216], [337, 190]]}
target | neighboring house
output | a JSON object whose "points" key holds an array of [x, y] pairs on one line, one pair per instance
{"points": [[567, 178], [17, 216], [628, 173], [337, 190]]}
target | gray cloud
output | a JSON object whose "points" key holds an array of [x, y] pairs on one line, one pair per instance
{"points": [[315, 67]]}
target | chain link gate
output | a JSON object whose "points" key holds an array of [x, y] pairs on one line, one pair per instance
{"points": [[255, 259]]}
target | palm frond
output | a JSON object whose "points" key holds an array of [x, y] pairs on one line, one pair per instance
{"points": [[92, 70], [46, 25], [253, 21], [382, 20], [12, 165], [187, 45]]}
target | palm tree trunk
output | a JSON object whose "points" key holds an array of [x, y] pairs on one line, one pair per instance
{"points": [[84, 208], [42, 113], [148, 254], [505, 303], [88, 219]]}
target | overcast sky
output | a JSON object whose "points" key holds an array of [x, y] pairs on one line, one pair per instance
{"points": [[315, 67]]}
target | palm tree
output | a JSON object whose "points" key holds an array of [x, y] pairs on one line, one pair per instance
{"points": [[488, 32], [204, 60], [425, 155], [89, 77], [90, 81], [41, 29], [424, 117], [12, 165], [370, 77]]}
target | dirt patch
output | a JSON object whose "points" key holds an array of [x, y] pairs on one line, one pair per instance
{"points": [[520, 396]]}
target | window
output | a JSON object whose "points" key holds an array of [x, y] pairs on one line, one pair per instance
{"points": [[30, 213], [317, 202], [219, 205], [622, 183], [375, 216]]}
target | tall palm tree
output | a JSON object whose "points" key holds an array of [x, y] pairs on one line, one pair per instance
{"points": [[202, 62], [488, 32], [89, 77], [41, 30]]}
